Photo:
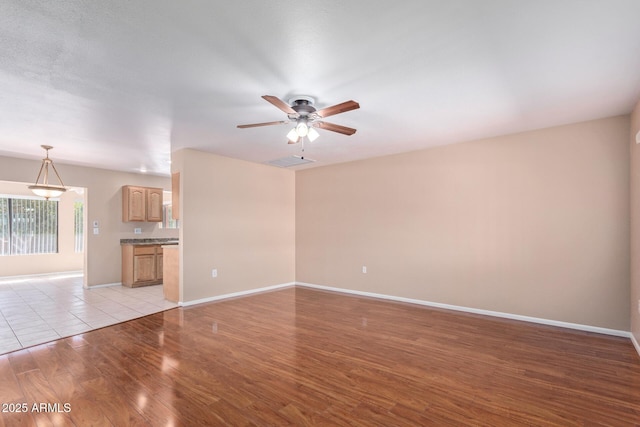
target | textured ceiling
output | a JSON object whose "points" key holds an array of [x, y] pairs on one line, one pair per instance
{"points": [[120, 84]]}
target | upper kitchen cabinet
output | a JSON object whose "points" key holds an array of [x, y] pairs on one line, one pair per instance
{"points": [[141, 204], [154, 204]]}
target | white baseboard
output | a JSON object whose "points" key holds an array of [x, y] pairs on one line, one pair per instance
{"points": [[37, 275], [104, 285], [577, 326], [236, 294], [635, 343]]}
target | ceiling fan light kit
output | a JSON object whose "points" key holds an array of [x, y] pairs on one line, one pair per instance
{"points": [[301, 111]]}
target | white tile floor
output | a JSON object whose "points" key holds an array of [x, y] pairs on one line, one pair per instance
{"points": [[39, 309]]}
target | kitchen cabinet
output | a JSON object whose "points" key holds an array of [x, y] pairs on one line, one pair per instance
{"points": [[141, 204], [142, 265]]}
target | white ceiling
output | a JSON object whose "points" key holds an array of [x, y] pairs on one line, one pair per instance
{"points": [[120, 84]]}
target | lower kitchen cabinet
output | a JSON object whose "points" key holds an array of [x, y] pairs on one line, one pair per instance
{"points": [[141, 265]]}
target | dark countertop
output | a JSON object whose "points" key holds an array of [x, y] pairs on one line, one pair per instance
{"points": [[157, 241]]}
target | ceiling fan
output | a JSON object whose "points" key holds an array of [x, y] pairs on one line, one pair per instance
{"points": [[301, 111]]}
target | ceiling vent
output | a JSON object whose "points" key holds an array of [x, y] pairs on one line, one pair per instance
{"points": [[287, 162]]}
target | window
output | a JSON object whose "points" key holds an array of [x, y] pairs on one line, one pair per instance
{"points": [[167, 217], [5, 243], [78, 227], [28, 226]]}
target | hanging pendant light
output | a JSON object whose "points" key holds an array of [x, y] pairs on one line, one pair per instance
{"points": [[45, 189]]}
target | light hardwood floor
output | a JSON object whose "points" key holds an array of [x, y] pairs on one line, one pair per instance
{"points": [[299, 357]]}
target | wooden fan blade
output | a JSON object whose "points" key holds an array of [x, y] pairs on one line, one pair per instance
{"points": [[280, 104], [335, 128], [337, 109], [255, 125]]}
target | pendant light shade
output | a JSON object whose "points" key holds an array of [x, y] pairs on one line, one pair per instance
{"points": [[293, 136], [302, 129], [45, 189], [312, 134]]}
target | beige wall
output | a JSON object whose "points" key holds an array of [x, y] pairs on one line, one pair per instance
{"points": [[635, 223], [104, 204], [533, 224], [237, 217], [66, 259]]}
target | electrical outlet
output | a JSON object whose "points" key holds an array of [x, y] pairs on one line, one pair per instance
{"points": [[137, 231], [214, 272], [364, 268]]}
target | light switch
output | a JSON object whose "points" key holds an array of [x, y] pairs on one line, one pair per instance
{"points": [[96, 230]]}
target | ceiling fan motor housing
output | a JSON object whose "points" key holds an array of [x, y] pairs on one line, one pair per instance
{"points": [[303, 105]]}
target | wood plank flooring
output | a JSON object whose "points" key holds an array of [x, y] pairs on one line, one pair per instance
{"points": [[305, 357]]}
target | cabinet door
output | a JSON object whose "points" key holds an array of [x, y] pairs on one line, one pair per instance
{"points": [[144, 268], [133, 203], [154, 204]]}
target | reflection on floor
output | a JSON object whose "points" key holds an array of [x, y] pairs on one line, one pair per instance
{"points": [[35, 310]]}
